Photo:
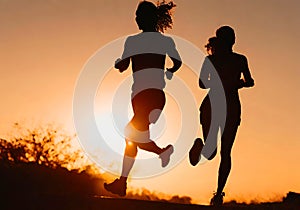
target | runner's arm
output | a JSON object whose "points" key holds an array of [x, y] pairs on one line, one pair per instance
{"points": [[174, 55], [123, 62], [248, 80], [204, 81]]}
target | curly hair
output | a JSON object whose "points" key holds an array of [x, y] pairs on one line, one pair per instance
{"points": [[164, 14], [158, 17]]}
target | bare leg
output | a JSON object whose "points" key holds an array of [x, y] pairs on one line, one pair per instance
{"points": [[210, 135], [128, 160], [137, 134], [210, 130], [226, 146], [138, 131], [119, 186]]}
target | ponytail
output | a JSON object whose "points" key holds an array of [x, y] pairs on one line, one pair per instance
{"points": [[164, 15]]}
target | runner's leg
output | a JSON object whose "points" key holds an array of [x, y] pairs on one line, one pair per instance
{"points": [[129, 158], [227, 141]]}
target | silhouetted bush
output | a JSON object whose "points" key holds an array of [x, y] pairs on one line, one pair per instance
{"points": [[42, 161], [44, 146]]}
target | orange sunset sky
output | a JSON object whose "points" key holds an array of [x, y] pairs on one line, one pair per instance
{"points": [[45, 44]]}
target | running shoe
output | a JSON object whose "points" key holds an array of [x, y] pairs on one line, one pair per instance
{"points": [[195, 152], [166, 154], [217, 199], [117, 187]]}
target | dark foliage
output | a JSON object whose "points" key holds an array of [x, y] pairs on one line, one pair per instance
{"points": [[42, 162]]}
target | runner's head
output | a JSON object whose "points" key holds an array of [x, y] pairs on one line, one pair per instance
{"points": [[211, 46], [226, 37], [154, 18]]}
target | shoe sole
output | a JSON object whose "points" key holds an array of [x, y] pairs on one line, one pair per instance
{"points": [[195, 152]]}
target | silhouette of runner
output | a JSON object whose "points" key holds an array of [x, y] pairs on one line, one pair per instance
{"points": [[229, 67], [147, 52]]}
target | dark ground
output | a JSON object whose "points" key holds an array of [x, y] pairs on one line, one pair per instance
{"points": [[44, 184], [91, 203], [35, 187]]}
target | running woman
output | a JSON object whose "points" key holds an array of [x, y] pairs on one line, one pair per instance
{"points": [[232, 70], [147, 52]]}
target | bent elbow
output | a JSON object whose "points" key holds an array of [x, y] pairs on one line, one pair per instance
{"points": [[249, 83]]}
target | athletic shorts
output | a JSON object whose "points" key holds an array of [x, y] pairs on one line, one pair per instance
{"points": [[148, 104]]}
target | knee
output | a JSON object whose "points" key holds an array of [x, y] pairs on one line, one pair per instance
{"points": [[130, 149], [140, 123], [134, 135]]}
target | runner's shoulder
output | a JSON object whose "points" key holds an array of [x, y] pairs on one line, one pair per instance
{"points": [[240, 56]]}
